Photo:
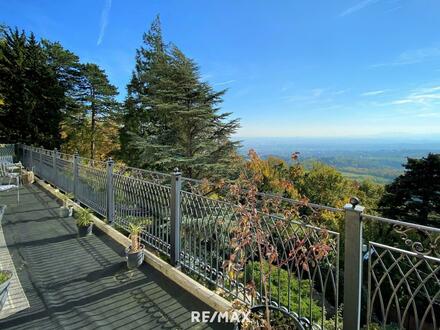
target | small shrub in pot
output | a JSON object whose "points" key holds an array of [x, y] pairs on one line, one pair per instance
{"points": [[135, 252], [84, 222]]}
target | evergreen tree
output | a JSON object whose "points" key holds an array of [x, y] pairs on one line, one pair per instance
{"points": [[415, 195], [32, 98], [99, 105], [172, 117], [139, 118]]}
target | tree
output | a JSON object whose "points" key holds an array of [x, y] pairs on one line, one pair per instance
{"points": [[324, 185], [173, 117], [138, 118], [32, 98], [67, 68], [415, 195], [99, 105]]}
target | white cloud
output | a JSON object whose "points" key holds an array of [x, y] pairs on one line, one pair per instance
{"points": [[361, 5], [373, 93], [227, 82], [104, 20], [413, 56], [426, 97]]}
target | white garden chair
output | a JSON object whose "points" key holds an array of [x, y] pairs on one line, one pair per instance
{"points": [[5, 172]]}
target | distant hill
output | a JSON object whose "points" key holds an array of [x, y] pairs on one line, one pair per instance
{"points": [[378, 159]]}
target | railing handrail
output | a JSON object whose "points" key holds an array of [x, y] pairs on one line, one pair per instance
{"points": [[399, 223]]}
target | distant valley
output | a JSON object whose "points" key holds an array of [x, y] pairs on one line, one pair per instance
{"points": [[379, 159]]}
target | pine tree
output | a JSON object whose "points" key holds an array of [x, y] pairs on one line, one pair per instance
{"points": [[172, 118], [139, 117], [32, 97], [99, 105]]}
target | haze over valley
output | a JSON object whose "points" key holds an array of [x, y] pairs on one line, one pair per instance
{"points": [[377, 158]]}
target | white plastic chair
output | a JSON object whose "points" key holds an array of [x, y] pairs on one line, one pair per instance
{"points": [[6, 171]]}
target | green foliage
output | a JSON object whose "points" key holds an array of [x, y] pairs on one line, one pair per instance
{"points": [[172, 117], [301, 295], [48, 97], [324, 185], [66, 199], [414, 195], [83, 218], [32, 97], [135, 224], [98, 102], [4, 276]]}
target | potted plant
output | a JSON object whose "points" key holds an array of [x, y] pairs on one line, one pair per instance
{"points": [[5, 282], [67, 209], [135, 252], [84, 222]]}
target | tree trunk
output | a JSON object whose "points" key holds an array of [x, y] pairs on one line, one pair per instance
{"points": [[92, 135]]}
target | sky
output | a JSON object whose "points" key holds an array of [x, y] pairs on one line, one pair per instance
{"points": [[291, 68]]}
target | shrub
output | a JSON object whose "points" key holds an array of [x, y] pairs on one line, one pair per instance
{"points": [[83, 218], [300, 291]]}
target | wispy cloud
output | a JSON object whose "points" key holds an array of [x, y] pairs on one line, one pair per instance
{"points": [[373, 93], [426, 97], [359, 6], [227, 82], [104, 20], [413, 56]]}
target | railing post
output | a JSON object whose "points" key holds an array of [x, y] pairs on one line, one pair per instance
{"points": [[110, 192], [54, 167], [31, 158], [40, 164], [75, 175], [352, 264], [176, 185], [16, 152]]}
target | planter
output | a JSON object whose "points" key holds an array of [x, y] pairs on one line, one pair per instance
{"points": [[65, 212], [135, 259], [4, 288], [279, 318], [84, 231]]}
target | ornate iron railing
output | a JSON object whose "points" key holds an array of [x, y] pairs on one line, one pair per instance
{"points": [[403, 274], [7, 152], [303, 289], [386, 283]]}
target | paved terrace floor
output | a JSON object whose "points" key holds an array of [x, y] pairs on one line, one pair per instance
{"points": [[83, 283]]}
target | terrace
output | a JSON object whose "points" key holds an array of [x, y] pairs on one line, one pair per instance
{"points": [[73, 282], [81, 283]]}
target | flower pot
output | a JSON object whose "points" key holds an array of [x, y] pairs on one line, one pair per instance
{"points": [[4, 288], [66, 211], [84, 231], [135, 259], [278, 318]]}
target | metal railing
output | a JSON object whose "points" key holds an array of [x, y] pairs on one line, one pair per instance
{"points": [[393, 282], [7, 152]]}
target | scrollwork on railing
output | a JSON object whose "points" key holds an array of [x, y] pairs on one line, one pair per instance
{"points": [[429, 246]]}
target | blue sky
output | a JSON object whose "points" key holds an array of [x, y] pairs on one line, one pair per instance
{"points": [[292, 68]]}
